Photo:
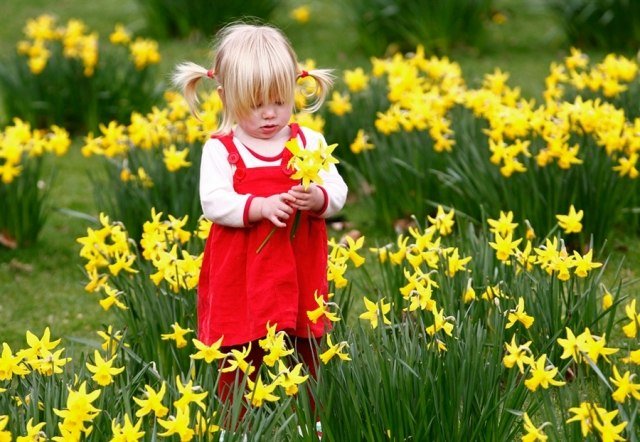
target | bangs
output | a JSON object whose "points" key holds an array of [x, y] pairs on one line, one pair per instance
{"points": [[263, 72]]}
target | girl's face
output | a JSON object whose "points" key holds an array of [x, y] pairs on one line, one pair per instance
{"points": [[266, 120]]}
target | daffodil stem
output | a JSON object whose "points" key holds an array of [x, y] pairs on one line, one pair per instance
{"points": [[294, 227], [268, 237]]}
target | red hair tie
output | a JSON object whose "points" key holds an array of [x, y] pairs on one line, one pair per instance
{"points": [[303, 74], [210, 73]]}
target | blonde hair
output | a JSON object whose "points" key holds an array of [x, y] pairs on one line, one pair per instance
{"points": [[254, 64]]}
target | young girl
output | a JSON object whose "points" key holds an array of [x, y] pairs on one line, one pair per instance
{"points": [[246, 189]]}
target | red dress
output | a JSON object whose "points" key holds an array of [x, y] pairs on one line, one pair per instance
{"points": [[239, 290]]}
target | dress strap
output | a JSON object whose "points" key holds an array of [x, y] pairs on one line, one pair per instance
{"points": [[296, 131], [234, 157]]}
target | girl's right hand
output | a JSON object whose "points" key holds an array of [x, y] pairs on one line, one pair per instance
{"points": [[276, 208]]}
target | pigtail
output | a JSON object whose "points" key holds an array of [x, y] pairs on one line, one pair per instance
{"points": [[186, 77], [323, 79]]}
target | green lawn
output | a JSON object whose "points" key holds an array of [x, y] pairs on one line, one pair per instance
{"points": [[43, 285]]}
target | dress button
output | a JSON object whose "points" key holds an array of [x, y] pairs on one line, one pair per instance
{"points": [[233, 158]]}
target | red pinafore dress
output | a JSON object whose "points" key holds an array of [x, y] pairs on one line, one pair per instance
{"points": [[239, 290]]}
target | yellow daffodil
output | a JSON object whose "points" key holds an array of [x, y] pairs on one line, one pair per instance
{"points": [[111, 299], [541, 375], [79, 409], [49, 363], [625, 386], [152, 402], [519, 315], [274, 345], [504, 225], [301, 14], [204, 425], [5, 435], [34, 433], [492, 293], [336, 269], [583, 264], [120, 35], [532, 433], [102, 369], [38, 346], [361, 142], [208, 353], [469, 293], [351, 250], [175, 159], [11, 364], [505, 247], [237, 361], [607, 299], [289, 379], [259, 392], [376, 311], [627, 166], [127, 431], [322, 310], [308, 163], [570, 223], [517, 354], [188, 395], [573, 346], [634, 357], [111, 339], [334, 350], [144, 52], [595, 346], [178, 424], [340, 104], [456, 264], [177, 335], [631, 328], [440, 322], [593, 417], [443, 221], [356, 80]]}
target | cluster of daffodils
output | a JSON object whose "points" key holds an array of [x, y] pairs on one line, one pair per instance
{"points": [[162, 130], [19, 143], [422, 92], [42, 356], [44, 37], [78, 410], [162, 244], [308, 163], [280, 378], [109, 253], [428, 264], [552, 256]]}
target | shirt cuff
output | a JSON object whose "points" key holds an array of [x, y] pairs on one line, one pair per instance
{"points": [[325, 204], [245, 213]]}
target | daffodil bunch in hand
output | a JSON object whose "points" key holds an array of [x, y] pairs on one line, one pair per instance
{"points": [[307, 165]]}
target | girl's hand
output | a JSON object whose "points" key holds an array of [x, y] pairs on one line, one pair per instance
{"points": [[276, 208], [310, 199]]}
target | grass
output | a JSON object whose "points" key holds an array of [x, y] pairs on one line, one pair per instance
{"points": [[43, 285]]}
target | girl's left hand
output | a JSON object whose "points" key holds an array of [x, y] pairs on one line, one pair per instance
{"points": [[310, 199]]}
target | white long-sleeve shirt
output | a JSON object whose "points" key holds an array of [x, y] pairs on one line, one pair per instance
{"points": [[223, 205]]}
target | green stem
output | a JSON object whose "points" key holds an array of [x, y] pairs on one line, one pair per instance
{"points": [[264, 242], [294, 227]]}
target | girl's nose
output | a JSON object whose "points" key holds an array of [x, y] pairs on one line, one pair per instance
{"points": [[268, 112]]}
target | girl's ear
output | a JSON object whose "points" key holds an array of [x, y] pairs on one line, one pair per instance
{"points": [[220, 93]]}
